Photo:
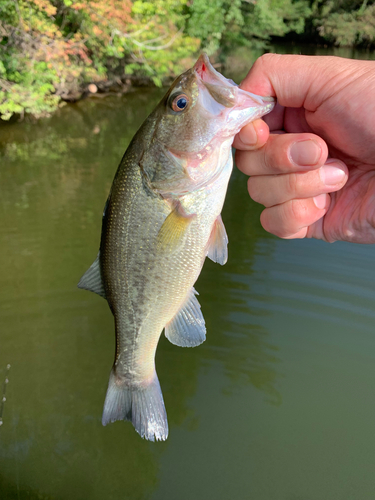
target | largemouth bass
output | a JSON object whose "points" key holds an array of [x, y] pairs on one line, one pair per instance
{"points": [[161, 220]]}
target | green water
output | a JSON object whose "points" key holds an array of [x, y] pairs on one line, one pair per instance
{"points": [[277, 404]]}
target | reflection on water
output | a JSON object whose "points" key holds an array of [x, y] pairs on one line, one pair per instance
{"points": [[55, 177], [236, 337], [279, 394]]}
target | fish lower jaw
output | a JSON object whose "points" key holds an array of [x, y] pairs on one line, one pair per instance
{"points": [[210, 163]]}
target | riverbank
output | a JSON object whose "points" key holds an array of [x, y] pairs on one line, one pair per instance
{"points": [[235, 65], [52, 51]]}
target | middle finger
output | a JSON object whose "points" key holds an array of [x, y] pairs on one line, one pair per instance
{"points": [[270, 190]]}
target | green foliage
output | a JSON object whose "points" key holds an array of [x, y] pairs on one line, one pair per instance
{"points": [[346, 22], [157, 43], [51, 49], [36, 60], [238, 22]]}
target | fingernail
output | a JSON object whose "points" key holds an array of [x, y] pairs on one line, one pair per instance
{"points": [[320, 201], [332, 173], [305, 153], [248, 135]]}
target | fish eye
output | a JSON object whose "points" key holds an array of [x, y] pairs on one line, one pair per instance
{"points": [[179, 103]]}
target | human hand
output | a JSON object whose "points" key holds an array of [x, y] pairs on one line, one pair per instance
{"points": [[325, 107]]}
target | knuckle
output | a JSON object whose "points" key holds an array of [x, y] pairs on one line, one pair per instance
{"points": [[254, 192], [240, 160], [270, 160], [297, 211], [266, 59], [275, 156], [272, 221], [299, 185], [267, 223], [292, 183]]}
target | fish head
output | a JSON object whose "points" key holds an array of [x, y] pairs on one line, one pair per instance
{"points": [[202, 111], [202, 104]]}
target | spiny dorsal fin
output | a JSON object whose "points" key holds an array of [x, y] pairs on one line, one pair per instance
{"points": [[172, 233], [92, 279], [187, 328], [218, 243]]}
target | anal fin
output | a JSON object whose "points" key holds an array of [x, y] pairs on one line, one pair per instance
{"points": [[218, 243], [92, 279], [187, 328]]}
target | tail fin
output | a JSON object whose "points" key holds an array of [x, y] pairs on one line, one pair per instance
{"points": [[143, 406]]}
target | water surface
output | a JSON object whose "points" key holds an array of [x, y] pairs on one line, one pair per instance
{"points": [[278, 403]]}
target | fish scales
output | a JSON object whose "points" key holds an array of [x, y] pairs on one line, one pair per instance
{"points": [[161, 220]]}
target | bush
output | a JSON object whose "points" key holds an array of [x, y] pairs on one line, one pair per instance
{"points": [[346, 23]]}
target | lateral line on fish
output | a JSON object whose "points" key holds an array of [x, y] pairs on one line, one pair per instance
{"points": [[135, 336]]}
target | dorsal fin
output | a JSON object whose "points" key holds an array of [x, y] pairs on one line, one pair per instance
{"points": [[92, 279]]}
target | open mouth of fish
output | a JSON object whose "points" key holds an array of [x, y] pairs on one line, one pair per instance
{"points": [[225, 92]]}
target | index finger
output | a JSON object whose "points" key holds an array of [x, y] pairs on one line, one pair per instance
{"points": [[290, 78]]}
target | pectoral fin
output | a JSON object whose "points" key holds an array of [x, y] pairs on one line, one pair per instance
{"points": [[92, 279], [172, 233], [187, 328], [218, 243]]}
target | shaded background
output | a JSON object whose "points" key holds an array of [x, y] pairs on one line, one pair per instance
{"points": [[278, 403]]}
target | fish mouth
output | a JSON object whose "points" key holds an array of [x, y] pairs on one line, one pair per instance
{"points": [[223, 92], [208, 74], [226, 91]]}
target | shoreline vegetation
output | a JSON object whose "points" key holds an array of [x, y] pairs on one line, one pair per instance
{"points": [[53, 51]]}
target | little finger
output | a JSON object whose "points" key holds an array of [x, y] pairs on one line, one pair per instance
{"points": [[291, 218]]}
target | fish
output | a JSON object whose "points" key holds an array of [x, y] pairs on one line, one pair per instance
{"points": [[161, 220]]}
